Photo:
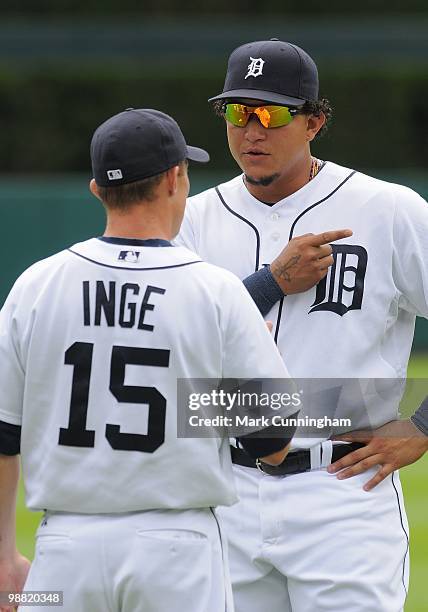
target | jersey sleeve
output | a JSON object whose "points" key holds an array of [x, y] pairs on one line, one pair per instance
{"points": [[11, 366], [410, 252], [250, 351], [250, 354]]}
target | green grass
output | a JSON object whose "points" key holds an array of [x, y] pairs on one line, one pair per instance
{"points": [[26, 525], [414, 481], [418, 366], [413, 478]]}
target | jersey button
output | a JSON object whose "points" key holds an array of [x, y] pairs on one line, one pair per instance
{"points": [[274, 216], [276, 236]]}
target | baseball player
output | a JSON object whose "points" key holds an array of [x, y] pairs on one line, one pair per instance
{"points": [[307, 539], [92, 342]]}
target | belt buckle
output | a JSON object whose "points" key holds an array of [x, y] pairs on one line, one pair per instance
{"points": [[272, 470]]}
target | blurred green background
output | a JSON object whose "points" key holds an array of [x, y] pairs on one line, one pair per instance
{"points": [[65, 66]]}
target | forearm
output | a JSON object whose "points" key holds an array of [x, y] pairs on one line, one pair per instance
{"points": [[9, 476]]}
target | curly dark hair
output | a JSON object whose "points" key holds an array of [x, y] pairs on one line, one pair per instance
{"points": [[308, 108]]}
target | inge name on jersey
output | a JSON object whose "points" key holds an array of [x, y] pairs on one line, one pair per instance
{"points": [[124, 304]]}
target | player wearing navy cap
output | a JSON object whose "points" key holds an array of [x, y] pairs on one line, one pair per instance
{"points": [[306, 540], [92, 343]]}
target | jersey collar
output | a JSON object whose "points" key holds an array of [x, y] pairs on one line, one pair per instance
{"points": [[150, 242]]}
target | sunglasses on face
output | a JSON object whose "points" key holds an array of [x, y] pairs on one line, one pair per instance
{"points": [[271, 116]]}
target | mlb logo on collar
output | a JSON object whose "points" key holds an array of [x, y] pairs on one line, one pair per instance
{"points": [[129, 256]]}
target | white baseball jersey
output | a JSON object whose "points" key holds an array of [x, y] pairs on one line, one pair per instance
{"points": [[356, 323], [92, 342]]}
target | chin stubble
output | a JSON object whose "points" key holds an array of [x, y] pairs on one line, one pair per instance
{"points": [[264, 181]]}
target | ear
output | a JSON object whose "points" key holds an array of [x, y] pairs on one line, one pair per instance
{"points": [[172, 180], [314, 125], [93, 188]]}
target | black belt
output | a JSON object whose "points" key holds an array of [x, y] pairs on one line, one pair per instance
{"points": [[294, 463]]}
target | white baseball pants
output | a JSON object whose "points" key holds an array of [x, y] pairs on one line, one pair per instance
{"points": [[311, 543], [156, 561]]}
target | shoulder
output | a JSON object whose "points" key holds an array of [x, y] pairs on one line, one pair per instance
{"points": [[369, 188], [41, 274], [388, 189], [42, 269], [210, 197], [212, 275], [399, 199], [220, 285], [32, 283]]}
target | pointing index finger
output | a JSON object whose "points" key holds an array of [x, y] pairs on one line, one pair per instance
{"points": [[327, 237]]}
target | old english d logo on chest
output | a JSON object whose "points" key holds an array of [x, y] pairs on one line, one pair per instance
{"points": [[343, 287]]}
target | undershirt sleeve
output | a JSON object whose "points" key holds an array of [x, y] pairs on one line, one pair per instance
{"points": [[263, 289], [10, 439], [258, 444], [420, 418]]}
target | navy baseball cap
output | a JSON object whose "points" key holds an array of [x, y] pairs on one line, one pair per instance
{"points": [[273, 71], [137, 144]]}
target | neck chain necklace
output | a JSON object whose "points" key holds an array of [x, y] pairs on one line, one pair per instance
{"points": [[315, 168]]}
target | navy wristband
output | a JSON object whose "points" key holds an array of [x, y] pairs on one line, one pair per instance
{"points": [[420, 418], [264, 289], [262, 447], [268, 440]]}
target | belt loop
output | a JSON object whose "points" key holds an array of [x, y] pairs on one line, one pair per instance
{"points": [[326, 453], [315, 457]]}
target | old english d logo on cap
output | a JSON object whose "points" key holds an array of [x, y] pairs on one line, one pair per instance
{"points": [[255, 67]]}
